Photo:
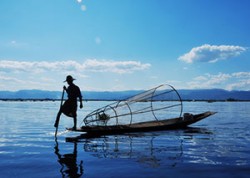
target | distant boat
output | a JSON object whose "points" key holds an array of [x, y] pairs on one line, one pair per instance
{"points": [[156, 109]]}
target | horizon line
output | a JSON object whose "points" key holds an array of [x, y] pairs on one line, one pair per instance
{"points": [[119, 90]]}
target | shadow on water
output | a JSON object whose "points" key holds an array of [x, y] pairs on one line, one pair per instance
{"points": [[196, 130], [153, 149], [68, 162], [141, 148]]}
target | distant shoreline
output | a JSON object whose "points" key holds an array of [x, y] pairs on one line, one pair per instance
{"points": [[208, 95], [86, 100]]}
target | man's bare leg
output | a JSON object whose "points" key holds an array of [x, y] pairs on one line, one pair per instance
{"points": [[74, 127]]}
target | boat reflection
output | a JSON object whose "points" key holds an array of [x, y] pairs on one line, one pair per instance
{"points": [[153, 149], [68, 162], [141, 149]]}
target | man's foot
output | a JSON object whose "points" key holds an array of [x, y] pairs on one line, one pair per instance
{"points": [[72, 128]]}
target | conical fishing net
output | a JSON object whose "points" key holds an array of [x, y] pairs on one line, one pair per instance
{"points": [[159, 103]]}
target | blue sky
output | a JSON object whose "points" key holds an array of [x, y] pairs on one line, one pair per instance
{"points": [[124, 44]]}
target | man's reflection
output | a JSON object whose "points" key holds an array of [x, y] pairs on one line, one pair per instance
{"points": [[68, 162]]}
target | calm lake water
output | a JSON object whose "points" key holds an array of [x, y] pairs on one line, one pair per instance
{"points": [[218, 146]]}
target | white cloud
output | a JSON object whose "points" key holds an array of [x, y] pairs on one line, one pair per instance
{"points": [[92, 65], [242, 84], [200, 78], [233, 81], [114, 66], [13, 82], [79, 1], [241, 74], [211, 53], [217, 79], [16, 75], [10, 79]]}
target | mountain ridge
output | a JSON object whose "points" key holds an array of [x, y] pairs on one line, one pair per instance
{"points": [[186, 94]]}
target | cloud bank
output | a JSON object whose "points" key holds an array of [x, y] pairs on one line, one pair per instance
{"points": [[228, 81], [211, 53], [91, 65], [15, 75]]}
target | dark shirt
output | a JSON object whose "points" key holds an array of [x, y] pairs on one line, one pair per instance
{"points": [[73, 92]]}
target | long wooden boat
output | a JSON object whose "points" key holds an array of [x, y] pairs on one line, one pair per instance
{"points": [[168, 124]]}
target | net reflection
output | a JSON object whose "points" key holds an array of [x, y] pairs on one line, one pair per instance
{"points": [[68, 162], [151, 149], [163, 149]]}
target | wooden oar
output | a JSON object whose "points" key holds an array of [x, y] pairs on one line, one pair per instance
{"points": [[58, 116]]}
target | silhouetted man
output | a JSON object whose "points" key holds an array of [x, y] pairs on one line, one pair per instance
{"points": [[69, 107]]}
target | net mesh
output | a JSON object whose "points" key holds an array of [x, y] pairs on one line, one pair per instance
{"points": [[159, 103]]}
